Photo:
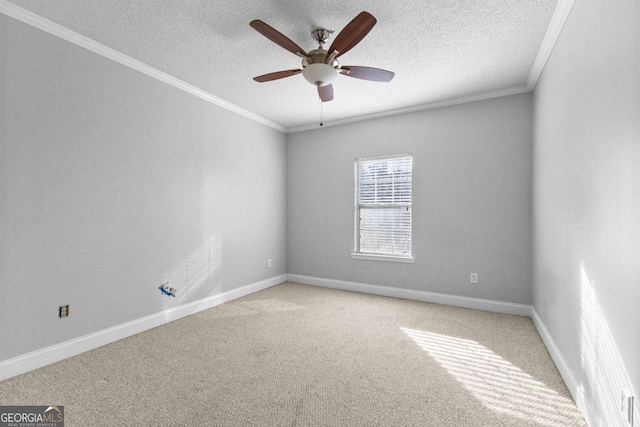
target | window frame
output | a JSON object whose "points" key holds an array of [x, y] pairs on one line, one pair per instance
{"points": [[357, 254]]}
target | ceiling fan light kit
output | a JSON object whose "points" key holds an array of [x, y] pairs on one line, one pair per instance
{"points": [[319, 74], [320, 66]]}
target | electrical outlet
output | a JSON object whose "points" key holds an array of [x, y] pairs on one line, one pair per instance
{"points": [[269, 263], [626, 407], [474, 277], [63, 311]]}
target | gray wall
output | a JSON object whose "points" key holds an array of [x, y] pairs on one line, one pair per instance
{"points": [[471, 190], [112, 183], [587, 201]]}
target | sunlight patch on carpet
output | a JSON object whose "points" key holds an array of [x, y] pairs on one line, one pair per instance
{"points": [[497, 383]]}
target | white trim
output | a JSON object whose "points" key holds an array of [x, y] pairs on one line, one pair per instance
{"points": [[388, 156], [556, 354], [455, 101], [560, 15], [386, 258], [39, 358], [424, 296], [64, 33], [588, 410]]}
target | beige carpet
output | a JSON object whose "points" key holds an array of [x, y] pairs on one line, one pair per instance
{"points": [[296, 355]]}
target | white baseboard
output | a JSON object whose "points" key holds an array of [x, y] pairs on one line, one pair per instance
{"points": [[556, 354], [588, 410], [424, 296], [39, 358]]}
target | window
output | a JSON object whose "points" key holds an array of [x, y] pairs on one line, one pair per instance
{"points": [[383, 208]]}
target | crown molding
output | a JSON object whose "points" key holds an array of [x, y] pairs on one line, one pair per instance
{"points": [[64, 33], [446, 103], [560, 15]]}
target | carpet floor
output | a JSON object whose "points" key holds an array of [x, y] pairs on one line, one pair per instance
{"points": [[297, 355]]}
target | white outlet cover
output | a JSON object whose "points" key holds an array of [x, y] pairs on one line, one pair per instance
{"points": [[626, 407]]}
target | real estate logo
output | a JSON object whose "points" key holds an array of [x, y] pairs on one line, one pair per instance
{"points": [[31, 416]]}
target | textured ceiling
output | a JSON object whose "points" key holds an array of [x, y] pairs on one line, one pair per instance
{"points": [[439, 49]]}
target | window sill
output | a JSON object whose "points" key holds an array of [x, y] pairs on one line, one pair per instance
{"points": [[387, 258]]}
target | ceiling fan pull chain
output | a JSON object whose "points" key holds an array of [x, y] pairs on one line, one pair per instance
{"points": [[321, 121]]}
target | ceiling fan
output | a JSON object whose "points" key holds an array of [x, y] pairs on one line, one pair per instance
{"points": [[320, 66]]}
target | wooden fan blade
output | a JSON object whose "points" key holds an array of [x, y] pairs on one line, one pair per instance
{"points": [[367, 73], [353, 33], [277, 37], [325, 92], [277, 75]]}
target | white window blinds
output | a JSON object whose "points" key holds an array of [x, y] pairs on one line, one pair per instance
{"points": [[383, 206]]}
